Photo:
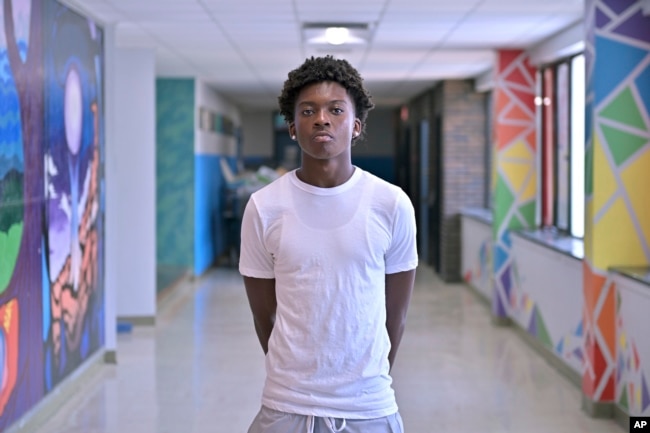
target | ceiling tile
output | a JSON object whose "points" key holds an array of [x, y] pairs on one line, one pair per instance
{"points": [[246, 48]]}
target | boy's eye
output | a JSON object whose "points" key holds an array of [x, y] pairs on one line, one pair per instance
{"points": [[307, 112], [337, 110]]}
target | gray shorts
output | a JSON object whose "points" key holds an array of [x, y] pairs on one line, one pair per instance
{"points": [[273, 421]]}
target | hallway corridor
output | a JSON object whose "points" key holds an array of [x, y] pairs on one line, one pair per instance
{"points": [[200, 370]]}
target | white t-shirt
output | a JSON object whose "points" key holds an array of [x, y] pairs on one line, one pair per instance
{"points": [[329, 250]]}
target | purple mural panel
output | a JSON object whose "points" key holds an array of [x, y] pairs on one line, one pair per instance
{"points": [[618, 6], [73, 89], [602, 19], [635, 27]]}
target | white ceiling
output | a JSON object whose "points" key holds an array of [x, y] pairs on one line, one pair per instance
{"points": [[245, 48]]}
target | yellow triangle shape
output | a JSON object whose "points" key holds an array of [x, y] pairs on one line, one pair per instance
{"points": [[636, 179], [516, 173], [530, 190], [519, 150], [517, 165], [604, 182], [616, 242]]}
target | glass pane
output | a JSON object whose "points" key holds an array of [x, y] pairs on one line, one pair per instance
{"points": [[539, 85], [562, 148], [578, 146], [548, 145]]}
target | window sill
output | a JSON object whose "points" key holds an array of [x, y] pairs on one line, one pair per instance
{"points": [[479, 214], [637, 273], [568, 245]]}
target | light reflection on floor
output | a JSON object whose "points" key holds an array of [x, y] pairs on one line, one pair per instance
{"points": [[200, 370]]}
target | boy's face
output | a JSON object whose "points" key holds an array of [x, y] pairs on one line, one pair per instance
{"points": [[324, 121]]}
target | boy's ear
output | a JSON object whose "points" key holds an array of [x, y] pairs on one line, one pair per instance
{"points": [[357, 127], [292, 130]]}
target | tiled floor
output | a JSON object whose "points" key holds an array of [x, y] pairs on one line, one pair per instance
{"points": [[200, 370]]}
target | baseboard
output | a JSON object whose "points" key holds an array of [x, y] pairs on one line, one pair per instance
{"points": [[502, 321], [72, 385], [110, 357], [138, 320], [621, 417], [597, 409]]}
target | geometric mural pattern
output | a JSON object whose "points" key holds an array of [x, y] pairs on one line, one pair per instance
{"points": [[568, 347], [515, 176], [567, 339], [480, 272], [617, 209], [633, 394]]}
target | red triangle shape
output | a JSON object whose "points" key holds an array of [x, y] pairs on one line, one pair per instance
{"points": [[525, 97], [518, 113], [507, 57], [516, 76], [532, 140], [501, 101], [507, 133]]}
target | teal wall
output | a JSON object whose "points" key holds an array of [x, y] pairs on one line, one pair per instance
{"points": [[175, 172]]}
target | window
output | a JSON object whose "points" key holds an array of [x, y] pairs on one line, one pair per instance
{"points": [[561, 105], [577, 155]]}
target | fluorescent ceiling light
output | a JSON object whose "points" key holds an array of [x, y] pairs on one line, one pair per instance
{"points": [[335, 33]]}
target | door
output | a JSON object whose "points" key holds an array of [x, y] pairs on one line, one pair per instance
{"points": [[423, 193], [435, 194]]}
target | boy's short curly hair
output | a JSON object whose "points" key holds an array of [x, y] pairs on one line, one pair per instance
{"points": [[318, 69]]}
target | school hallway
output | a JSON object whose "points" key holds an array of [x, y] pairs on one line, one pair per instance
{"points": [[200, 370]]}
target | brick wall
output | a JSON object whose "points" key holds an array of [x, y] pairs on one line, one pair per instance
{"points": [[463, 164]]}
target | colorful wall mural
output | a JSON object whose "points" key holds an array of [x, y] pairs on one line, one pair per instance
{"points": [[51, 199], [549, 304], [476, 252], [617, 226], [632, 349], [515, 183]]}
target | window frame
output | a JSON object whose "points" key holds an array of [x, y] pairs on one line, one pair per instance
{"points": [[549, 152]]}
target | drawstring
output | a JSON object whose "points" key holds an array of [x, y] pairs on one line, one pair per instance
{"points": [[331, 423]]}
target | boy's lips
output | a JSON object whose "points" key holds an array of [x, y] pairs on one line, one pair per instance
{"points": [[321, 137]]}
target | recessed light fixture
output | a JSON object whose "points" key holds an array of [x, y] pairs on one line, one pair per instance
{"points": [[335, 34]]}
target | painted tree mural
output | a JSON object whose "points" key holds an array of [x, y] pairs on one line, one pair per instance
{"points": [[21, 300], [51, 136]]}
